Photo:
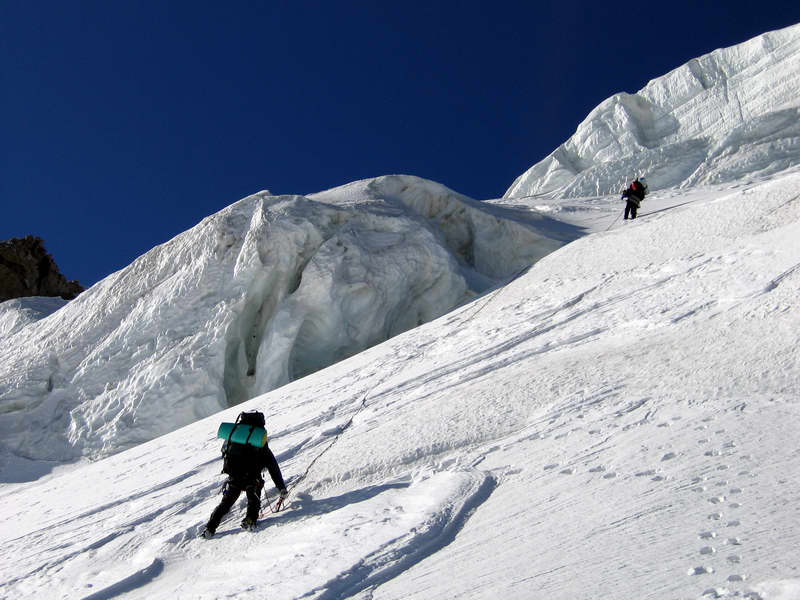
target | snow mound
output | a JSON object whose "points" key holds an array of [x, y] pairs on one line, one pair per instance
{"points": [[729, 114], [268, 290]]}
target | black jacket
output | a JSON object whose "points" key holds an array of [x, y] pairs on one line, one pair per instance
{"points": [[636, 191], [244, 464]]}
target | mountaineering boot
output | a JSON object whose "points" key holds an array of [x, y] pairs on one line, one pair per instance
{"points": [[249, 524], [207, 533]]}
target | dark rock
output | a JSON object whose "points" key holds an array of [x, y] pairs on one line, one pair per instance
{"points": [[26, 269]]}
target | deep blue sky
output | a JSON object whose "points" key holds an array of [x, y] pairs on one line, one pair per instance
{"points": [[123, 123]]}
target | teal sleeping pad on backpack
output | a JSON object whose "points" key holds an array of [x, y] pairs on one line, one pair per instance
{"points": [[243, 434]]}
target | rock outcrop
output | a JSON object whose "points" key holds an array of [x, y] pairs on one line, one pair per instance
{"points": [[26, 269]]}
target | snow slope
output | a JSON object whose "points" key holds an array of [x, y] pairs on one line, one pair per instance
{"points": [[729, 114], [618, 422], [265, 291]]}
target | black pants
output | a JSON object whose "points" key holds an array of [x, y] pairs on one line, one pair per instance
{"points": [[230, 494], [630, 208]]}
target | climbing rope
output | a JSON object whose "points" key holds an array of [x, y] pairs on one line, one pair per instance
{"points": [[614, 222], [280, 504]]}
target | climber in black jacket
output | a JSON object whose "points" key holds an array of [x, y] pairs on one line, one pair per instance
{"points": [[634, 195], [243, 464]]}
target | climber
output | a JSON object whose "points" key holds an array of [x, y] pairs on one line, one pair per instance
{"points": [[634, 196], [243, 464]]}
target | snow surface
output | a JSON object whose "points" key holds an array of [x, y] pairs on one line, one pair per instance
{"points": [[619, 421], [729, 114]]}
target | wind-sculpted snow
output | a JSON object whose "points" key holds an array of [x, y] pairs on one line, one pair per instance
{"points": [[729, 114], [265, 291]]}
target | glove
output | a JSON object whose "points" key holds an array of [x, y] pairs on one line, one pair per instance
{"points": [[279, 504]]}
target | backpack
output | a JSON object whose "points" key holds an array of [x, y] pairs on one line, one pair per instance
{"points": [[243, 460], [639, 188], [252, 417]]}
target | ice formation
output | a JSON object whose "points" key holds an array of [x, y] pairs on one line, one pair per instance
{"points": [[270, 289]]}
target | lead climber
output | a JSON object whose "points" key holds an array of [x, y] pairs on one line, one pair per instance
{"points": [[243, 464], [634, 195]]}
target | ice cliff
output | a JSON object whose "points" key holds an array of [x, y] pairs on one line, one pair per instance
{"points": [[263, 292]]}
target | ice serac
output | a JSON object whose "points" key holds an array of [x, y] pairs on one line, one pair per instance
{"points": [[734, 112], [263, 292]]}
